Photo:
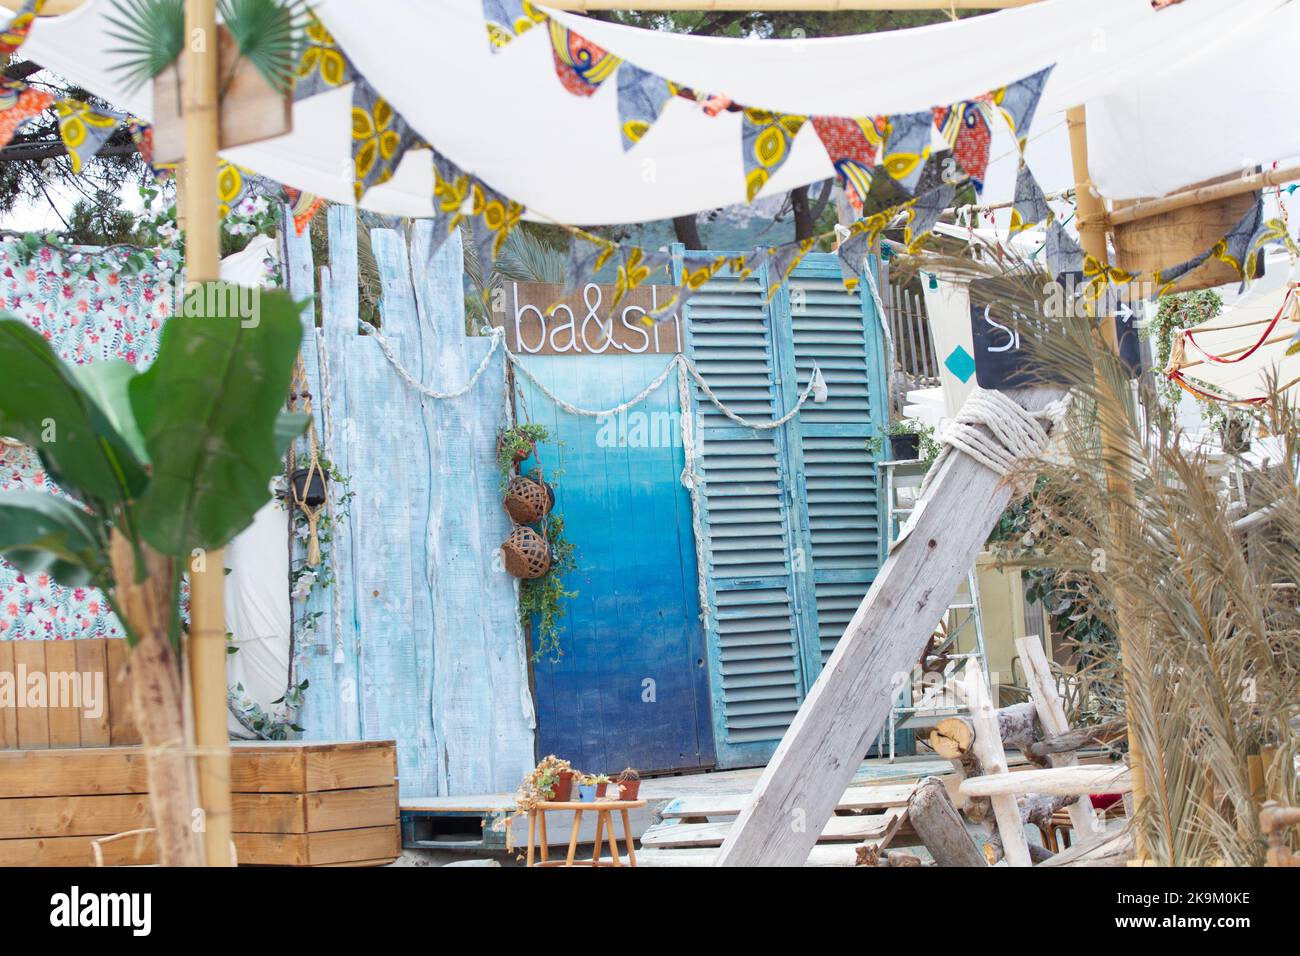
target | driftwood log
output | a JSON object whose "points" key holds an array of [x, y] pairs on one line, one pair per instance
{"points": [[1113, 849], [1035, 809], [940, 828], [954, 737], [1078, 738]]}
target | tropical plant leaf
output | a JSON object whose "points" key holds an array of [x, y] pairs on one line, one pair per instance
{"points": [[288, 426], [43, 533], [208, 409], [152, 34], [42, 404], [267, 32], [107, 383]]}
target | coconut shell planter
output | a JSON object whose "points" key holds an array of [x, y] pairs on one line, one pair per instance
{"points": [[528, 501], [526, 553]]}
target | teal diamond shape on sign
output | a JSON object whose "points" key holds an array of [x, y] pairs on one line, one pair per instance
{"points": [[960, 363]]}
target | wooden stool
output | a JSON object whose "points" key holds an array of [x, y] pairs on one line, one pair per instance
{"points": [[604, 825]]}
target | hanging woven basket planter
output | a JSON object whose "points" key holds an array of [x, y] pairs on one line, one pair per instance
{"points": [[528, 501], [308, 486], [526, 553]]}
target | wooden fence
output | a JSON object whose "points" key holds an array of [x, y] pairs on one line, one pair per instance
{"points": [[909, 328]]}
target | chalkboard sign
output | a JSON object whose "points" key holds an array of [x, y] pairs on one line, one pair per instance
{"points": [[1009, 316]]}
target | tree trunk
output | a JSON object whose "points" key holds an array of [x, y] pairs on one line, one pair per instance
{"points": [[935, 820], [1035, 809], [804, 227], [688, 231], [157, 700], [954, 737]]}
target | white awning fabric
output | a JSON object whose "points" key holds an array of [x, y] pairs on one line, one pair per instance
{"points": [[1174, 96]]}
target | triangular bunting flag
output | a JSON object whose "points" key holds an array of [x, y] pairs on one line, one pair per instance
{"points": [[380, 138], [581, 65], [1029, 207], [934, 193], [965, 127], [507, 19], [1246, 238], [635, 267], [453, 194], [853, 145], [765, 142], [1064, 253], [641, 99], [302, 208], [235, 184], [1019, 100], [587, 256], [906, 146], [781, 261], [19, 26], [84, 130], [19, 103], [495, 217], [852, 252], [142, 136], [693, 280], [323, 65]]}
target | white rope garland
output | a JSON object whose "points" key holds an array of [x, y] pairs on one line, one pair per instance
{"points": [[997, 432], [496, 335]]}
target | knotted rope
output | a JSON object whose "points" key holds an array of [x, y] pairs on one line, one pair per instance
{"points": [[997, 432]]}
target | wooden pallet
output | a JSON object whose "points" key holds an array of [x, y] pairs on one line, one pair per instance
{"points": [[293, 804]]}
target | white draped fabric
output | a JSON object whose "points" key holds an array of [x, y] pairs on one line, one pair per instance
{"points": [[1174, 96]]}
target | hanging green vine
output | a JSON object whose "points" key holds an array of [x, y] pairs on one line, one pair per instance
{"points": [[540, 598]]}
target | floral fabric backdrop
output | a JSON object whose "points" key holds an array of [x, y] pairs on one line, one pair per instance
{"points": [[90, 304]]}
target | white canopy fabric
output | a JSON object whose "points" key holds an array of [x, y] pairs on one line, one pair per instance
{"points": [[506, 118], [1232, 356]]}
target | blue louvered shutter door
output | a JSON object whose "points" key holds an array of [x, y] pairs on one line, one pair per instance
{"points": [[842, 486], [756, 672]]}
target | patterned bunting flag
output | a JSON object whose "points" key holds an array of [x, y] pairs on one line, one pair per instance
{"points": [[19, 26], [142, 136], [587, 256], [453, 194], [581, 65], [965, 127], [1029, 207], [641, 99], [84, 130], [934, 193], [380, 138], [852, 252], [781, 261], [853, 145], [302, 208], [906, 146], [635, 267], [236, 184], [495, 217], [1019, 100], [323, 65], [1244, 239], [507, 19], [19, 103], [693, 280], [1064, 253], [765, 142]]}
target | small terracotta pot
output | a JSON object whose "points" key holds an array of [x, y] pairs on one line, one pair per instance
{"points": [[563, 789], [600, 789], [628, 789]]}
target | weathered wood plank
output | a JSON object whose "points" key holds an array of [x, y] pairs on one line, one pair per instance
{"points": [[838, 829], [993, 766], [364, 844], [33, 721], [1051, 714], [64, 690], [824, 854], [121, 722], [1055, 781], [8, 712], [73, 816], [88, 771], [135, 850], [850, 701], [482, 711]]}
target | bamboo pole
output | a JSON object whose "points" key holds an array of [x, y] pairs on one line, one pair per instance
{"points": [[1194, 197], [207, 643], [1119, 484]]}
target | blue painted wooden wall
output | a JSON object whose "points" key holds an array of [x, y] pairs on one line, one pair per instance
{"points": [[632, 687], [432, 653]]}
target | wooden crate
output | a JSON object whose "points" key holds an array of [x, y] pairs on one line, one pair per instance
{"points": [[293, 804], [62, 718]]}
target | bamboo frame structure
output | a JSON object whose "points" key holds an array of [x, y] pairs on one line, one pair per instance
{"points": [[1194, 197], [207, 641], [1092, 237]]}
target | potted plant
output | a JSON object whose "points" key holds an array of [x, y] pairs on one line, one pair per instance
{"points": [[909, 440], [587, 789], [551, 781], [515, 444], [629, 784], [602, 784]]}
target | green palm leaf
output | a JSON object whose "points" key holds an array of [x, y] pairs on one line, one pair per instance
{"points": [[267, 33], [152, 35]]}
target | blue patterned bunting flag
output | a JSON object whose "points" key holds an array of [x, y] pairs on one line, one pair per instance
{"points": [[641, 99], [507, 19], [1018, 102], [84, 130], [1029, 207], [380, 138], [906, 146], [323, 65], [1064, 254], [765, 142]]}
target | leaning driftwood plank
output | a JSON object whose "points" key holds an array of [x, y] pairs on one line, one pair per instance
{"points": [[730, 804], [993, 762], [835, 830], [851, 698], [1061, 781], [940, 828], [1051, 714], [1111, 849]]}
